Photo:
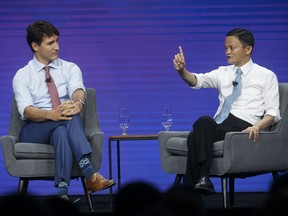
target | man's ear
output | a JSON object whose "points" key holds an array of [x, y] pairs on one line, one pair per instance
{"points": [[35, 46], [249, 50]]}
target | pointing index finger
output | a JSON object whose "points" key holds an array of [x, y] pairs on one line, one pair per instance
{"points": [[181, 51]]}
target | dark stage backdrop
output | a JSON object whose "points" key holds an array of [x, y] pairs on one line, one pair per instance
{"points": [[125, 49]]}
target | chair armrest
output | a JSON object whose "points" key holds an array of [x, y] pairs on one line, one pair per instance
{"points": [[8, 143], [164, 136], [243, 155], [96, 140]]}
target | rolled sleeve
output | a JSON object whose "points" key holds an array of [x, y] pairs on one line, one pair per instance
{"points": [[75, 79], [271, 98], [21, 91]]}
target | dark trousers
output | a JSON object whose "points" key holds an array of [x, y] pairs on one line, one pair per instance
{"points": [[67, 137], [200, 144]]}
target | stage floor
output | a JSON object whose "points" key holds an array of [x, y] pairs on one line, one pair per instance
{"points": [[244, 203]]}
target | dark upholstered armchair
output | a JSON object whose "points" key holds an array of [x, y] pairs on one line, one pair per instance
{"points": [[28, 161], [236, 156]]}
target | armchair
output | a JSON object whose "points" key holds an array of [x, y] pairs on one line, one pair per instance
{"points": [[236, 156], [28, 161]]}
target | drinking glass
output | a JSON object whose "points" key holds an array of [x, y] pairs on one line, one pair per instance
{"points": [[167, 118], [124, 120]]}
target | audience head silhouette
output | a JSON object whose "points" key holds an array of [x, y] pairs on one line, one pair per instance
{"points": [[277, 198], [180, 200], [18, 204], [27, 204], [136, 198]]}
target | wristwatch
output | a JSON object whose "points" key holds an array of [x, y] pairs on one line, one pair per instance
{"points": [[82, 102]]}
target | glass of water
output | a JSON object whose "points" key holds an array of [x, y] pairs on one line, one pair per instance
{"points": [[167, 118], [124, 120]]}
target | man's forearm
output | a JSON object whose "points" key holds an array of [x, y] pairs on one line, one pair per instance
{"points": [[36, 114], [188, 77], [265, 122]]}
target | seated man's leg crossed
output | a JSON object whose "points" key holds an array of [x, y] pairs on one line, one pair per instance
{"points": [[69, 142]]}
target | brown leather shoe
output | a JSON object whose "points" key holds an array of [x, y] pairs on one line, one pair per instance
{"points": [[97, 182]]}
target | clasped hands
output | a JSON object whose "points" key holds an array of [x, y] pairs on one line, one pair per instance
{"points": [[67, 109]]}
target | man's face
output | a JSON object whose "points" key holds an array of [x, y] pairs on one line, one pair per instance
{"points": [[48, 50], [235, 52]]}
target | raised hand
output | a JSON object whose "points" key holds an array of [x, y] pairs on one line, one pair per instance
{"points": [[179, 60]]}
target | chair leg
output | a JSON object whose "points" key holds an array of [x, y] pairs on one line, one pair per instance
{"points": [[23, 186], [231, 191], [88, 195], [178, 179], [275, 175], [224, 192]]}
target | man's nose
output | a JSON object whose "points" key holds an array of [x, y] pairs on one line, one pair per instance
{"points": [[227, 51], [56, 46]]}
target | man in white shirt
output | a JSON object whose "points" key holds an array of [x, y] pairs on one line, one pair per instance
{"points": [[256, 108], [59, 125]]}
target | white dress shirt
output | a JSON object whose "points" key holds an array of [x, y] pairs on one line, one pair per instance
{"points": [[260, 90], [30, 88]]}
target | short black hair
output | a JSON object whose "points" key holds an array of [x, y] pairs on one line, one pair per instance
{"points": [[38, 30], [244, 35]]}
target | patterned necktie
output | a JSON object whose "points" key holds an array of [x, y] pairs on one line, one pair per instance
{"points": [[52, 88], [230, 98]]}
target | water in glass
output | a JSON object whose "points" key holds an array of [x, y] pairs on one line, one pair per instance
{"points": [[124, 120], [167, 118]]}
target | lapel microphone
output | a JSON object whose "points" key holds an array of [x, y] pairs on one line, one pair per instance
{"points": [[49, 80], [235, 83]]}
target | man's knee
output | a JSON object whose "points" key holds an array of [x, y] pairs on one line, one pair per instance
{"points": [[204, 120], [60, 131]]}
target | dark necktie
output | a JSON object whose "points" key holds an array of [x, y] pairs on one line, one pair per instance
{"points": [[52, 88], [231, 98]]}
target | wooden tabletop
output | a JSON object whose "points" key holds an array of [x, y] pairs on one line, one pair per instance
{"points": [[134, 137]]}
